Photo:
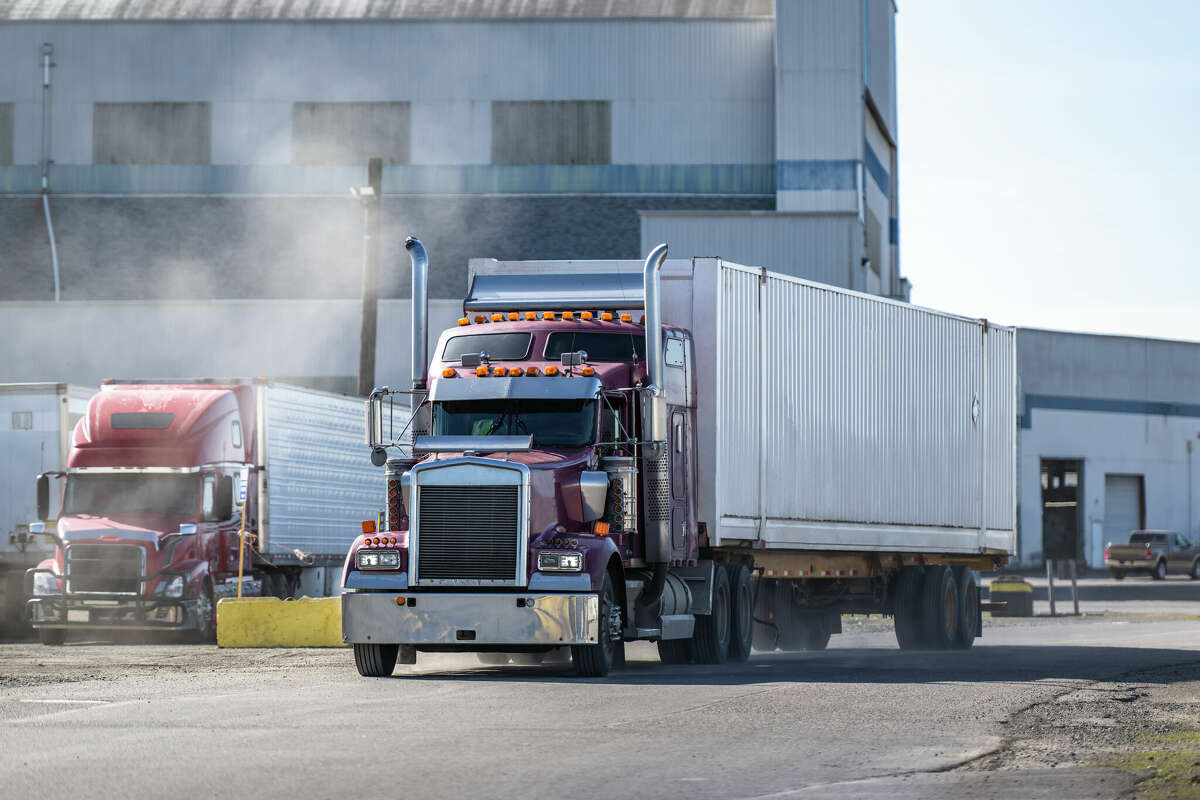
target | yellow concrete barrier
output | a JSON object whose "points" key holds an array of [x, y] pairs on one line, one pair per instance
{"points": [[270, 622]]}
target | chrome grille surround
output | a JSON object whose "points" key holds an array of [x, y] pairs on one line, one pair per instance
{"points": [[470, 523], [104, 568]]}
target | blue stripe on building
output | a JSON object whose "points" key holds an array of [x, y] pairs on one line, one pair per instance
{"points": [[877, 170], [816, 175], [285, 179], [1063, 403], [894, 231]]}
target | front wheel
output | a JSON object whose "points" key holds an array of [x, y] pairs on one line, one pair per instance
{"points": [[1160, 571], [596, 660], [375, 660], [52, 636]]}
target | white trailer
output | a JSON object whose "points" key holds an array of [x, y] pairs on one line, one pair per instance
{"points": [[36, 420]]}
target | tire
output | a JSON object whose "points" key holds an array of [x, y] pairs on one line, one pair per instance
{"points": [[1195, 573], [1117, 575], [675, 651], [968, 608], [711, 637], [1160, 571], [741, 613], [52, 637], [906, 608], [940, 607], [805, 632], [766, 636], [205, 631], [375, 660], [596, 660]]}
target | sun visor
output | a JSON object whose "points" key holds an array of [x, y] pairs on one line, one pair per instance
{"points": [[556, 292], [522, 388]]}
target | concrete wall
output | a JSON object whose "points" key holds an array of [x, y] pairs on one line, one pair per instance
{"points": [[1122, 405]]}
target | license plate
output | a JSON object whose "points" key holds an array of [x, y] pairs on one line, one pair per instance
{"points": [[79, 615]]}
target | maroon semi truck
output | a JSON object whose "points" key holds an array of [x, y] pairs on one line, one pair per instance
{"points": [[151, 502], [755, 457]]}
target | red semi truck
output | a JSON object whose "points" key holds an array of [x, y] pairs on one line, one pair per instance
{"points": [[755, 457], [158, 481]]}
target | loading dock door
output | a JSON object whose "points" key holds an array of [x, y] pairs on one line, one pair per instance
{"points": [[1123, 508], [1061, 490]]}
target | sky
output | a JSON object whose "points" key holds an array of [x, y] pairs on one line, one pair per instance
{"points": [[1049, 162]]}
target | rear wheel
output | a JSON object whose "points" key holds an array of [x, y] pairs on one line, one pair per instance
{"points": [[804, 632], [52, 636], [675, 651], [1118, 575], [595, 660], [741, 612], [375, 660], [940, 608], [711, 636], [1160, 571], [1195, 573], [906, 609], [968, 608]]}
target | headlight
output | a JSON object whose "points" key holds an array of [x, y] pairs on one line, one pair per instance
{"points": [[44, 583], [560, 562], [174, 587], [379, 559]]}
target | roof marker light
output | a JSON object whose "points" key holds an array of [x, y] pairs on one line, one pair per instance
{"points": [[585, 315], [464, 321], [513, 316], [568, 315], [642, 321], [626, 318], [497, 317], [448, 372], [605, 316], [530, 316], [481, 370], [479, 318]]}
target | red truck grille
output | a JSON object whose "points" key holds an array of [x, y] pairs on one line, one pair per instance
{"points": [[468, 534], [104, 568]]}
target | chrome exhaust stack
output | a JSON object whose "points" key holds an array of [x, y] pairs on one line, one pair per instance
{"points": [[420, 312], [655, 462]]}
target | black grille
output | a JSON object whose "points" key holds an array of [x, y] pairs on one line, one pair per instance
{"points": [[103, 568], [468, 533]]}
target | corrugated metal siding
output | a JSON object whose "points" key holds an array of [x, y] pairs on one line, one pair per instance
{"points": [[868, 412], [320, 481], [6, 133]]}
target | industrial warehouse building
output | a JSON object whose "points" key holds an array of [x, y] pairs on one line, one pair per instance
{"points": [[1107, 432], [205, 150]]}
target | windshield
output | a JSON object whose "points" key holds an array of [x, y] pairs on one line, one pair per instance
{"points": [[498, 346], [599, 346], [138, 493], [552, 423]]}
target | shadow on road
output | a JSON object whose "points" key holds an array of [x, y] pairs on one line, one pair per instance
{"points": [[997, 664]]}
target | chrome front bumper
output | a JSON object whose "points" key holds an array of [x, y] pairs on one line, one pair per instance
{"points": [[464, 620]]}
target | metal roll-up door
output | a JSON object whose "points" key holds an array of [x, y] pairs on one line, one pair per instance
{"points": [[1122, 506]]}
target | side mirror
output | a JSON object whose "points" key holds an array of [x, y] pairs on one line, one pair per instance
{"points": [[223, 502], [375, 419], [43, 497]]}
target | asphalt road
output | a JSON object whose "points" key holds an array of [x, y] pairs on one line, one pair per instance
{"points": [[859, 720]]}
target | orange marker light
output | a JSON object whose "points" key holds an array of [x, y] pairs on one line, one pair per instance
{"points": [[368, 526], [642, 321], [448, 373], [605, 316], [480, 318], [626, 318], [585, 315], [530, 316], [464, 321], [481, 371], [568, 315], [500, 372], [497, 317], [547, 315], [531, 371], [551, 370], [513, 316], [588, 371], [601, 529]]}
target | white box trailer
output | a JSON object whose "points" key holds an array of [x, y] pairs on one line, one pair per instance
{"points": [[36, 420], [833, 420]]}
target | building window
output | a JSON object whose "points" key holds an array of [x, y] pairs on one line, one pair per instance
{"points": [[22, 420], [152, 133], [350, 133], [6, 133], [552, 132]]}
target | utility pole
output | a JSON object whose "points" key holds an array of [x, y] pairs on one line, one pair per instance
{"points": [[369, 196]]}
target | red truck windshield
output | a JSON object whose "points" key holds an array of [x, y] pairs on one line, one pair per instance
{"points": [[137, 493], [552, 423]]}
